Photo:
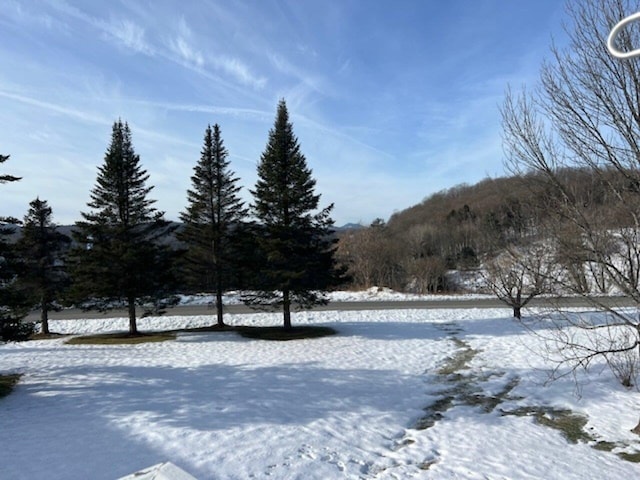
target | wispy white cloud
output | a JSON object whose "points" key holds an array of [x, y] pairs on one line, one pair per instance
{"points": [[311, 83], [323, 130], [129, 34], [52, 107], [89, 116], [346, 65], [18, 13], [236, 112], [239, 70], [182, 45], [178, 47]]}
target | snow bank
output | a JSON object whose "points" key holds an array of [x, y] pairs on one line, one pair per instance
{"points": [[372, 294]]}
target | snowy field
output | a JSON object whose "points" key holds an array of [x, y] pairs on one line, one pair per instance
{"points": [[438, 394], [373, 294]]}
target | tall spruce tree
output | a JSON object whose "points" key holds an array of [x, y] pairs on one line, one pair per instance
{"points": [[13, 303], [297, 249], [42, 247], [120, 257], [212, 220]]}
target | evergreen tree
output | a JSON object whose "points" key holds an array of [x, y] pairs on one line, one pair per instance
{"points": [[7, 178], [119, 257], [296, 244], [42, 248], [13, 304], [212, 219]]}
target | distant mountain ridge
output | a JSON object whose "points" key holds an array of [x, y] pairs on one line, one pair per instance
{"points": [[68, 229]]}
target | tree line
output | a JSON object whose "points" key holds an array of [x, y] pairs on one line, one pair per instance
{"points": [[281, 248]]}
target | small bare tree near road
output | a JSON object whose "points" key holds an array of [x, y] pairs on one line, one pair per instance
{"points": [[519, 274]]}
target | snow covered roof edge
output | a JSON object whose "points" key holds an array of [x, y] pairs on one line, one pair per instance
{"points": [[161, 471]]}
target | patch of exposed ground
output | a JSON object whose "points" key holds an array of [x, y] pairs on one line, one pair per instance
{"points": [[463, 387], [7, 383]]}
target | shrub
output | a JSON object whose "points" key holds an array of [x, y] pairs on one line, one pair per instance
{"points": [[16, 331]]}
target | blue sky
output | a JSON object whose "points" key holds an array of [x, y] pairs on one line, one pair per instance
{"points": [[391, 100]]}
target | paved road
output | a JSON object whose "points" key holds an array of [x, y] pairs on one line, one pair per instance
{"points": [[190, 310]]}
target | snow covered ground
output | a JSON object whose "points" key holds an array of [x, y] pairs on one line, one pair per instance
{"points": [[373, 294], [438, 394]]}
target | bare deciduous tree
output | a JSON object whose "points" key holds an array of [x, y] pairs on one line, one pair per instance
{"points": [[519, 274], [370, 256], [586, 115]]}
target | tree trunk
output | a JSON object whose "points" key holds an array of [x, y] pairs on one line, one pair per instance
{"points": [[517, 306], [216, 250], [219, 306], [286, 309], [517, 312], [44, 316], [133, 327]]}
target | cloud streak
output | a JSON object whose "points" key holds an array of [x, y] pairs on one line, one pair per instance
{"points": [[59, 109], [127, 33], [237, 69], [181, 44]]}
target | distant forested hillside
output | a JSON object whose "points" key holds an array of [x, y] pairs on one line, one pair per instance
{"points": [[461, 227]]}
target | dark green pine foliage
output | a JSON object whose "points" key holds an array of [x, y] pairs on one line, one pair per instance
{"points": [[120, 256], [212, 221], [7, 178], [296, 243], [43, 248], [13, 302]]}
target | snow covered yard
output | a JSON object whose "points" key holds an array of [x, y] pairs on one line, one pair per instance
{"points": [[396, 394]]}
